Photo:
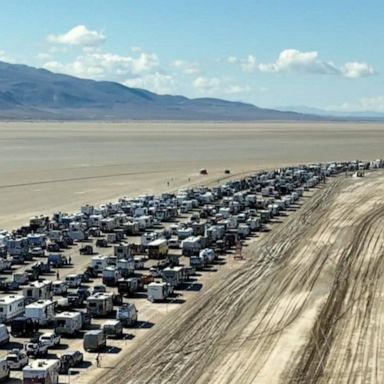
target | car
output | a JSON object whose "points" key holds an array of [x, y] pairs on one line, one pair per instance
{"points": [[37, 252], [86, 250], [16, 359], [36, 348], [70, 359], [51, 339], [102, 243], [99, 289]]}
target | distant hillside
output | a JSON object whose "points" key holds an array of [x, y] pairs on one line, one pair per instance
{"points": [[31, 93]]}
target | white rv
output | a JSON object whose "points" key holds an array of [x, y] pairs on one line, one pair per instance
{"points": [[68, 323], [100, 304], [42, 372], [158, 291], [42, 311], [11, 306], [38, 291]]}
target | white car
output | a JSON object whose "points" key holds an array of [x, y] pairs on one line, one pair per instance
{"points": [[17, 359], [50, 339]]}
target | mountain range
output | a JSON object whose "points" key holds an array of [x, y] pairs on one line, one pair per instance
{"points": [[28, 93]]}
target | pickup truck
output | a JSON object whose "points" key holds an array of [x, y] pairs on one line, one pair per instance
{"points": [[50, 339], [36, 348]]}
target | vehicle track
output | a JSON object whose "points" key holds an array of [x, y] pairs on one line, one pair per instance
{"points": [[234, 330]]}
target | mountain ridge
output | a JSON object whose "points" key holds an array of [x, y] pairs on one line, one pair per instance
{"points": [[28, 93]]}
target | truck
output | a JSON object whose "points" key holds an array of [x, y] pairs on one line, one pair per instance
{"points": [[127, 314], [68, 323], [16, 359], [94, 340], [42, 372], [158, 291]]}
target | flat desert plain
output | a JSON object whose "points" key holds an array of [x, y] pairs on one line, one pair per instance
{"points": [[46, 167], [306, 304]]}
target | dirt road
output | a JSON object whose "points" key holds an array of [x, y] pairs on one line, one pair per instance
{"points": [[305, 307]]}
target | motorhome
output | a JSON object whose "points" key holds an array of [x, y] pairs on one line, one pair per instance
{"points": [[42, 372], [73, 280], [127, 267], [42, 311], [147, 238], [174, 276], [37, 290], [11, 306], [158, 291], [158, 249], [68, 323], [100, 304]]}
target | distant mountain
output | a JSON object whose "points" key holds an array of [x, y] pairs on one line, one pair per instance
{"points": [[350, 115], [31, 93]]}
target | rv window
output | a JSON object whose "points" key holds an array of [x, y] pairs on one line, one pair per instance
{"points": [[20, 304], [1, 309], [60, 323], [10, 307], [92, 305], [29, 292]]}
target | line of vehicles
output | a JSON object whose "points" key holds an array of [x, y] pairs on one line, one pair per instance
{"points": [[157, 243]]}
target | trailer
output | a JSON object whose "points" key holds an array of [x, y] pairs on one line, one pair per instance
{"points": [[11, 306], [158, 249], [174, 276], [99, 262], [127, 267], [122, 251], [100, 304], [42, 311], [68, 323], [41, 372], [94, 341]]}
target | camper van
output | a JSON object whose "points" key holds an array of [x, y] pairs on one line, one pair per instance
{"points": [[68, 323], [113, 329], [42, 311], [11, 306], [73, 280]]}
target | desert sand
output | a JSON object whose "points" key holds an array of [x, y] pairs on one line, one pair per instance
{"points": [[305, 306]]}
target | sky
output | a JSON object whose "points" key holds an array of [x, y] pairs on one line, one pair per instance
{"points": [[273, 53]]}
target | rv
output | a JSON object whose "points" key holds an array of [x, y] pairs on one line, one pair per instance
{"points": [[99, 262], [42, 372], [122, 251], [127, 314], [173, 276], [158, 291], [191, 245], [158, 249], [43, 311], [111, 275], [37, 291], [100, 304], [11, 306], [68, 323], [113, 328], [127, 267], [4, 370]]}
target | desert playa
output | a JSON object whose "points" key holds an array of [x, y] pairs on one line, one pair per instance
{"points": [[48, 166]]}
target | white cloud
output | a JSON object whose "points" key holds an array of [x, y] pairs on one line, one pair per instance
{"points": [[355, 70], [364, 104], [156, 82], [80, 36], [249, 64], [44, 56], [186, 67], [293, 60], [232, 59], [4, 57], [207, 84], [94, 63]]}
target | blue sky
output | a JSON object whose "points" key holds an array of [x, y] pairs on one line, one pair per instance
{"points": [[325, 54]]}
